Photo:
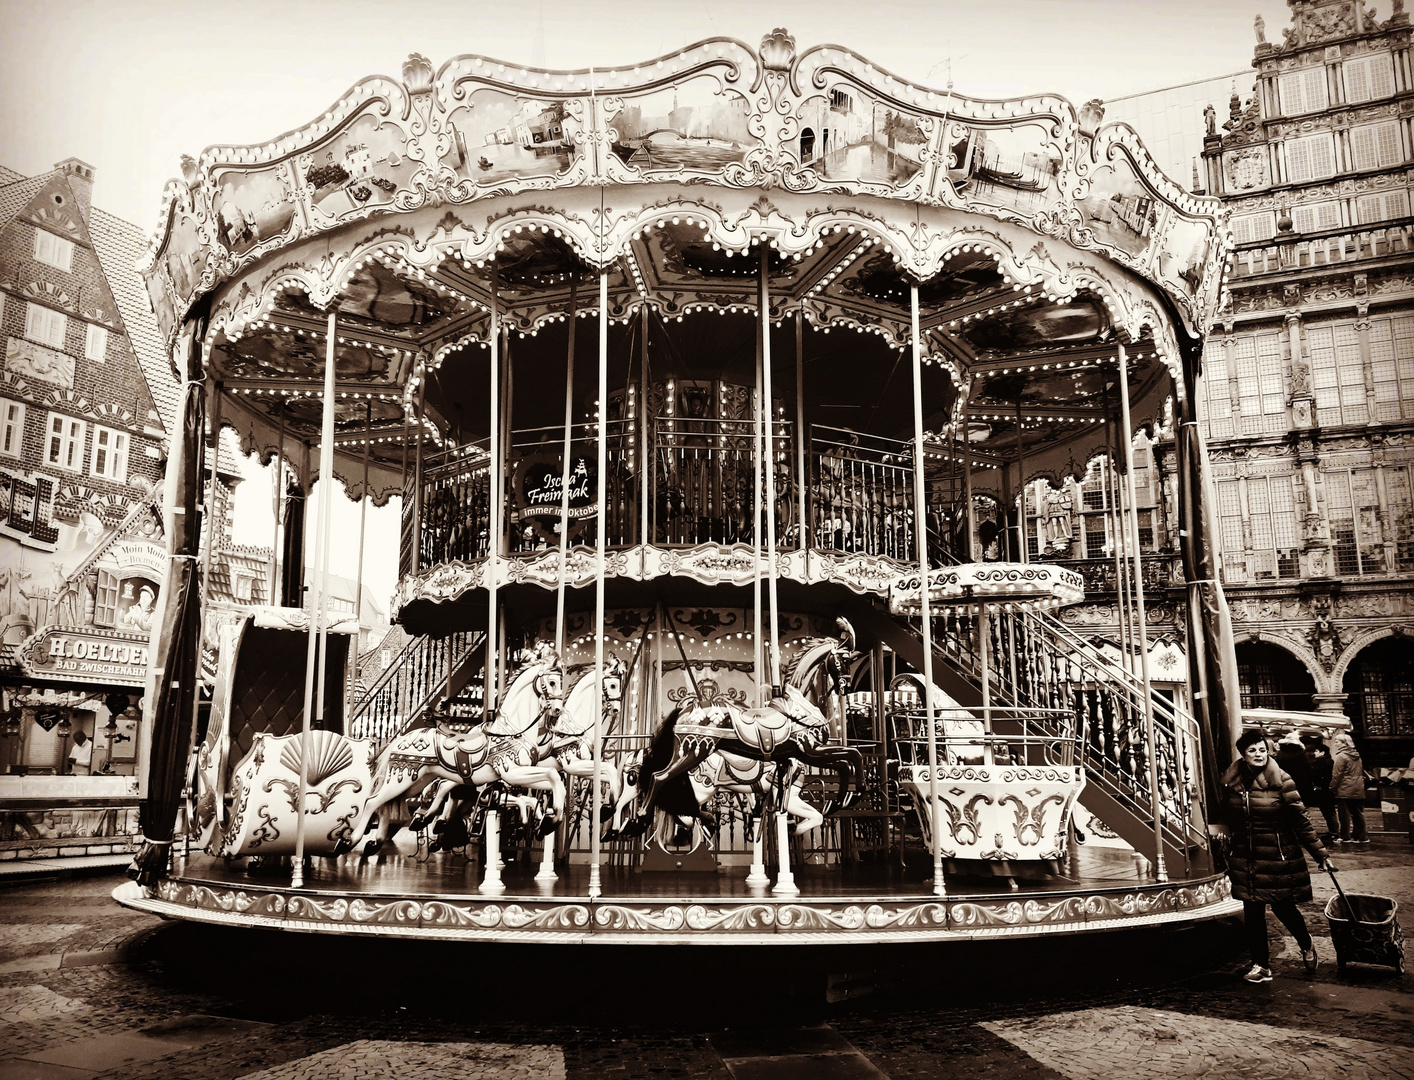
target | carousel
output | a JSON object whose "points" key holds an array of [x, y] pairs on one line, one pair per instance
{"points": [[710, 389]]}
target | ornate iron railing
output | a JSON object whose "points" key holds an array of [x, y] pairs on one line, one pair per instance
{"points": [[416, 680]]}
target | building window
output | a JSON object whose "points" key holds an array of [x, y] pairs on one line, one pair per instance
{"points": [[1230, 531], [105, 599], [1379, 688], [1376, 146], [244, 587], [1387, 206], [110, 454], [1254, 228], [53, 250], [1317, 217], [1368, 78], [46, 325], [1392, 365], [12, 427], [1310, 158], [95, 346], [1353, 506], [1400, 489], [1337, 374], [1218, 393], [1303, 91], [1271, 508], [1259, 384], [66, 437]]}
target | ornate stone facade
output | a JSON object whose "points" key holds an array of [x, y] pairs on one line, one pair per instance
{"points": [[1308, 383]]}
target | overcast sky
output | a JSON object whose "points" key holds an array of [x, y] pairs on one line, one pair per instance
{"points": [[130, 85]]}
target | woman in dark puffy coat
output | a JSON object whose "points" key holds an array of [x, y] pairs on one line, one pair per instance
{"points": [[1269, 827]]}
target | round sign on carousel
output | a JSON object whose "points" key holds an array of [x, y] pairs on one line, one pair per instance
{"points": [[1001, 586]]}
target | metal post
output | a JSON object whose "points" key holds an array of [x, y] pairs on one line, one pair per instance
{"points": [[358, 579], [316, 600], [770, 466], [645, 456], [601, 543], [565, 475], [212, 523], [757, 646], [800, 438], [1160, 870], [920, 531], [278, 497], [491, 877]]}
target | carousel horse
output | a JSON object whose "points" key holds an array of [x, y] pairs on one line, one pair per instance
{"points": [[764, 782], [571, 747], [507, 748], [791, 731]]}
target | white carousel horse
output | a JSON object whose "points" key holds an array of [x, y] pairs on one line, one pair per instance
{"points": [[571, 743], [791, 731], [507, 748]]}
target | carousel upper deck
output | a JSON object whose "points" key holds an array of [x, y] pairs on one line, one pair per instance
{"points": [[675, 366]]}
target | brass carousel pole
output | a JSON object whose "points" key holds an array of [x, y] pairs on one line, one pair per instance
{"points": [[491, 877], [757, 647], [920, 531], [1160, 870], [600, 558], [277, 500], [358, 579], [802, 525], [565, 477], [770, 466], [317, 631]]}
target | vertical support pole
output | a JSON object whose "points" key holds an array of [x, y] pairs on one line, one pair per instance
{"points": [[801, 440], [920, 532], [601, 543], [278, 497], [1160, 870], [565, 475], [757, 641], [317, 630], [417, 494], [645, 455], [493, 509], [785, 880], [1021, 487], [770, 466], [212, 519], [491, 878], [358, 578]]}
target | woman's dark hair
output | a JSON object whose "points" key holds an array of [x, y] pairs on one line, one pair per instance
{"points": [[1250, 737]]}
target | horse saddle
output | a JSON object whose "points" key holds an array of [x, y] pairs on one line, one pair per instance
{"points": [[468, 747], [762, 729]]}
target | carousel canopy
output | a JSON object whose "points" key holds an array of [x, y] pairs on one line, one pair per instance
{"points": [[1039, 240]]}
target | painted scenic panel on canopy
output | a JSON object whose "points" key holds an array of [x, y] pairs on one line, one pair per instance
{"points": [[694, 125], [364, 165], [497, 137], [252, 206], [848, 134], [1015, 167], [186, 255], [1120, 209]]}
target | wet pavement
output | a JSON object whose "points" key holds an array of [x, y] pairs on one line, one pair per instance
{"points": [[90, 989]]}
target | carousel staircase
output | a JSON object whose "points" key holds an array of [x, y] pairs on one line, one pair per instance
{"points": [[426, 672], [1039, 663]]}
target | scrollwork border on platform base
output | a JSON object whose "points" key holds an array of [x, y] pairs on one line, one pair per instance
{"points": [[656, 920]]}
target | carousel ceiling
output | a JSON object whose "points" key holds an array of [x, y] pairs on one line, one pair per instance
{"points": [[1037, 238]]}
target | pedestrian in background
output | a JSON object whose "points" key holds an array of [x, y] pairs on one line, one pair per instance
{"points": [[1348, 788], [1291, 759], [1318, 758], [1269, 827]]}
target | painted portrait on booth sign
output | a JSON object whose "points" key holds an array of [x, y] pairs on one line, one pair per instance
{"points": [[137, 604]]}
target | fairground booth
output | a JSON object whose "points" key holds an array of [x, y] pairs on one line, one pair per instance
{"points": [[709, 388]]}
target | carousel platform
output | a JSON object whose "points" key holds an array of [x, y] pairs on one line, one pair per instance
{"points": [[437, 898]]}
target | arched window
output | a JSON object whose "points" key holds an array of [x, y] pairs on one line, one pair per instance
{"points": [[1271, 678], [807, 144], [1379, 688]]}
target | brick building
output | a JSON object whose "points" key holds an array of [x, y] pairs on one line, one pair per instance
{"points": [[86, 396]]}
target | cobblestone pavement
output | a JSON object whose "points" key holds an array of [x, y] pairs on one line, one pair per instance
{"points": [[89, 989]]}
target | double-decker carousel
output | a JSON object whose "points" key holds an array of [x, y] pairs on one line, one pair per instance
{"points": [[710, 388]]}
